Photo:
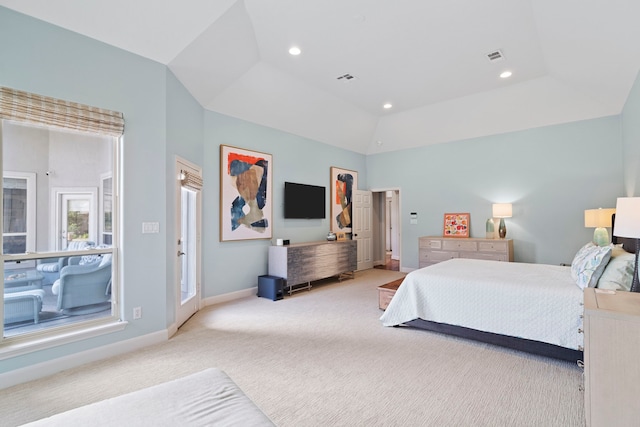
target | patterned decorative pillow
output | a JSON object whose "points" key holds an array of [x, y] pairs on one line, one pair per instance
{"points": [[589, 263]]}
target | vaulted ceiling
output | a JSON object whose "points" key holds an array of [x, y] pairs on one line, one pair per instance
{"points": [[570, 60]]}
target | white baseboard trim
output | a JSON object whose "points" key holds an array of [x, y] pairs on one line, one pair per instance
{"points": [[50, 367], [218, 299]]}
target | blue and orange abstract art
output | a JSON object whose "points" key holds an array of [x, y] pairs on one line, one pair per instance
{"points": [[245, 194]]}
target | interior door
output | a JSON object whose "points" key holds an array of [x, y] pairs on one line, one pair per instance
{"points": [[188, 245], [362, 213]]}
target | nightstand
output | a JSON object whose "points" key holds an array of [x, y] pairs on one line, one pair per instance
{"points": [[611, 348]]}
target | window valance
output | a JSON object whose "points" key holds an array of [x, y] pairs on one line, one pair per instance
{"points": [[43, 110], [191, 181]]}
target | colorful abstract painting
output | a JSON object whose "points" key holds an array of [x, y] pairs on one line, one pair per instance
{"points": [[343, 183], [245, 194], [456, 225]]}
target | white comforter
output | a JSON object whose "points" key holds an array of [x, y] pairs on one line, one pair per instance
{"points": [[533, 301]]}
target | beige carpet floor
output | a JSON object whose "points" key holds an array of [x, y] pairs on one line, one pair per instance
{"points": [[322, 358]]}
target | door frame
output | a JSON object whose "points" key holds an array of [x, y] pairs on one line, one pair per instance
{"points": [[182, 314], [380, 215], [57, 194]]}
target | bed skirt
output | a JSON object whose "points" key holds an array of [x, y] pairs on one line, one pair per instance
{"points": [[521, 344]]}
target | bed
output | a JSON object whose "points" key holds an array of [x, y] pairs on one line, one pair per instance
{"points": [[535, 308]]}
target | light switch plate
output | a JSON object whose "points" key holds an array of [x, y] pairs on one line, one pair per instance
{"points": [[150, 227]]}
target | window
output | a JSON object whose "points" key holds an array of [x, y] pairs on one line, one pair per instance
{"points": [[60, 172], [19, 204], [106, 209]]}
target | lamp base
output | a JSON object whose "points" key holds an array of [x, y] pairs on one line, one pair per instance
{"points": [[601, 236], [635, 283], [502, 229]]}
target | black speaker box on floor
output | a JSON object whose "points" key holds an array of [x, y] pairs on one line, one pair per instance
{"points": [[271, 287]]}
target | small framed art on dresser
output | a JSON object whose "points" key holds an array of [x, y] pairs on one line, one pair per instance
{"points": [[456, 225]]}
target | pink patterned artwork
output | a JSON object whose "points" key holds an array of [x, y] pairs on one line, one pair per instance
{"points": [[456, 225]]}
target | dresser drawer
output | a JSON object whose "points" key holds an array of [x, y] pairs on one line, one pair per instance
{"points": [[492, 246], [430, 243], [435, 249], [486, 256], [436, 256], [460, 245]]}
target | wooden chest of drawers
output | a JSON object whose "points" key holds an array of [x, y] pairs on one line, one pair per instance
{"points": [[307, 262], [432, 250]]}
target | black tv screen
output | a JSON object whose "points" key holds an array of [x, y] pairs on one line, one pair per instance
{"points": [[304, 201]]}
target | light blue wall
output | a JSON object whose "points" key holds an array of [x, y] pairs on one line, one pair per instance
{"points": [[231, 266], [47, 60], [631, 141], [550, 174], [184, 139]]}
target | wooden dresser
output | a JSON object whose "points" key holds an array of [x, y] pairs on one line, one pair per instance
{"points": [[432, 250], [306, 262], [611, 345]]}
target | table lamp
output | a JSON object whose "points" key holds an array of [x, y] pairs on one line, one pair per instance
{"points": [[502, 211], [599, 219], [628, 225]]}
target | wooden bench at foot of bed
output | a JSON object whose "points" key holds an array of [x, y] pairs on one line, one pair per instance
{"points": [[209, 397]]}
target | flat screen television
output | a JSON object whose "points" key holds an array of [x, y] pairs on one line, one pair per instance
{"points": [[304, 201]]}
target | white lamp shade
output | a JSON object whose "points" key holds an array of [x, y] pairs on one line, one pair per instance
{"points": [[627, 217], [594, 218], [502, 210]]}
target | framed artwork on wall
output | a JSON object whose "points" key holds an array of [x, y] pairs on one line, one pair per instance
{"points": [[246, 196], [456, 225], [343, 182]]}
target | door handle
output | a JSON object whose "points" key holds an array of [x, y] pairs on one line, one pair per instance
{"points": [[180, 253]]}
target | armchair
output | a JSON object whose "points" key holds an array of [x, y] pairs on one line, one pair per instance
{"points": [[83, 289], [50, 267]]}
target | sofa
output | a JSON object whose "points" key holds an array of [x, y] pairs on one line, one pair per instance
{"points": [[84, 288], [50, 268]]}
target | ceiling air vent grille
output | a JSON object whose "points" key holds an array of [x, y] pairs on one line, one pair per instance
{"points": [[345, 77], [494, 56]]}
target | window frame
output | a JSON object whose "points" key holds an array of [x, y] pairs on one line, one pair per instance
{"points": [[30, 233], [55, 336]]}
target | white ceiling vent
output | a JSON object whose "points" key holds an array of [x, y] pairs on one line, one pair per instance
{"points": [[495, 56], [346, 77]]}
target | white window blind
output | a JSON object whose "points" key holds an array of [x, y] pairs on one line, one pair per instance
{"points": [[43, 110]]}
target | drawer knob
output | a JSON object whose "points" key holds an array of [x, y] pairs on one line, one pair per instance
{"points": [[580, 331]]}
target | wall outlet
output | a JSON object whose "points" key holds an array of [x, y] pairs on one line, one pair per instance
{"points": [[137, 313]]}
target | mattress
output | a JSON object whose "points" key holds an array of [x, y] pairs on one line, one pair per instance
{"points": [[532, 301], [205, 398]]}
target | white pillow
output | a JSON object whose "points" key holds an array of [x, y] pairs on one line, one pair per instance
{"points": [[589, 263], [618, 274]]}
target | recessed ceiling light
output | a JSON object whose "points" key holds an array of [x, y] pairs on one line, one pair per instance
{"points": [[505, 74], [295, 50], [387, 106]]}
